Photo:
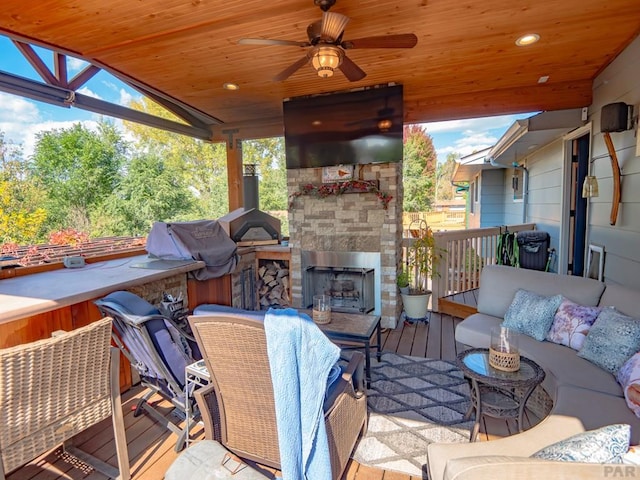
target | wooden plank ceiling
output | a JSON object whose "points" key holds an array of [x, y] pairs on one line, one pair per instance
{"points": [[465, 64]]}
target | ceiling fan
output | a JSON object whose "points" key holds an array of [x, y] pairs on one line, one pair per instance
{"points": [[327, 50]]}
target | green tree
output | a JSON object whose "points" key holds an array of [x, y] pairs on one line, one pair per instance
{"points": [[138, 202], [202, 166], [444, 176], [21, 217], [78, 169], [268, 155], [418, 169]]}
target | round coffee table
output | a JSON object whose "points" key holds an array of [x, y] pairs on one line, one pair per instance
{"points": [[496, 393]]}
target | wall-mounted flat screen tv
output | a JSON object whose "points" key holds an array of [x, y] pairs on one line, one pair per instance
{"points": [[358, 127]]}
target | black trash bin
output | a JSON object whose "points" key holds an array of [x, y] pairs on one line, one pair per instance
{"points": [[533, 249]]}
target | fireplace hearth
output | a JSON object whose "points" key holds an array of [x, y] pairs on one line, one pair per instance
{"points": [[351, 279]]}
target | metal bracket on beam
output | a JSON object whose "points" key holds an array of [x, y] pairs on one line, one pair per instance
{"points": [[229, 133]]}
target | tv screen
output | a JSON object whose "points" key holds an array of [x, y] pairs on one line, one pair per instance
{"points": [[358, 127]]}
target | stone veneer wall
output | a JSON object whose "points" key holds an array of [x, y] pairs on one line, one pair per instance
{"points": [[354, 222], [152, 291]]}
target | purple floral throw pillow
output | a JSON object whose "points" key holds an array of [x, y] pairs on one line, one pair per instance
{"points": [[571, 324]]}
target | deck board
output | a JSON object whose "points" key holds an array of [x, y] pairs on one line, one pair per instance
{"points": [[151, 447]]}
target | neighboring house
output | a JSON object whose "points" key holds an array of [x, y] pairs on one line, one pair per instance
{"points": [[535, 173]]}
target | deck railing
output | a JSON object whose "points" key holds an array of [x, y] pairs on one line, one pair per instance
{"points": [[466, 252]]}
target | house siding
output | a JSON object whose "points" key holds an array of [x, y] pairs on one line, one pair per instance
{"points": [[619, 82], [491, 199]]}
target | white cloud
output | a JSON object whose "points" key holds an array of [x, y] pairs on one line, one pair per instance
{"points": [[14, 109], [125, 98], [90, 93], [75, 64]]}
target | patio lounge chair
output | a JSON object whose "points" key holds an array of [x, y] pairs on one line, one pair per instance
{"points": [[52, 389], [238, 407], [158, 349]]}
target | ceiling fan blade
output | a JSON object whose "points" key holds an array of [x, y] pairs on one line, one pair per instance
{"points": [[402, 40], [268, 41], [291, 69], [352, 71], [333, 25]]}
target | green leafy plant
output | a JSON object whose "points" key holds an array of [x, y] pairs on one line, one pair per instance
{"points": [[424, 257], [402, 280]]}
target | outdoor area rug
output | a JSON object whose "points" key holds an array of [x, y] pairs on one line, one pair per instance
{"points": [[412, 402]]}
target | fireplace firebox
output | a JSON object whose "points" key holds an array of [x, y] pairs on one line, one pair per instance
{"points": [[350, 279]]}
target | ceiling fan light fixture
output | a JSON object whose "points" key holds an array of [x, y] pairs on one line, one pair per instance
{"points": [[384, 125], [325, 59]]}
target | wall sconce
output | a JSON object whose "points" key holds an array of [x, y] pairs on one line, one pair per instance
{"points": [[590, 187]]}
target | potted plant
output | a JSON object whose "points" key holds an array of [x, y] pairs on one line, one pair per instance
{"points": [[423, 259], [402, 280]]}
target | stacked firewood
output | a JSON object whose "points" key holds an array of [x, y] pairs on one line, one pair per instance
{"points": [[273, 284]]}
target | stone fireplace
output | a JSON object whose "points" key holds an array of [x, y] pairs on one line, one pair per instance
{"points": [[350, 223]]}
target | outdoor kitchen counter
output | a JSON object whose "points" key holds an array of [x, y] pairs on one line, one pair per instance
{"points": [[30, 295]]}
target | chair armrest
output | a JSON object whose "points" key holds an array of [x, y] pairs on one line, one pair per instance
{"points": [[207, 402], [354, 373]]}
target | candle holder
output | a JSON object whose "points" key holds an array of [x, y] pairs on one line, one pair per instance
{"points": [[504, 353]]}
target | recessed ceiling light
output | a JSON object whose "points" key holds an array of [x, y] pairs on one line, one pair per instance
{"points": [[230, 86], [528, 39], [316, 123], [543, 79]]}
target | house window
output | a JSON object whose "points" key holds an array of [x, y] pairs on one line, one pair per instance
{"points": [[517, 183]]}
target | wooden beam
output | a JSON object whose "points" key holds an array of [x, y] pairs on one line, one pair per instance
{"points": [[100, 106], [83, 77], [36, 62], [60, 66], [234, 172], [455, 309], [260, 128], [543, 97]]}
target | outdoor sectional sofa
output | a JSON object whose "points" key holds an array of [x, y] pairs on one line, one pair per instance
{"points": [[584, 396]]}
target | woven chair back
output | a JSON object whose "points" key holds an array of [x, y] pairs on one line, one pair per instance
{"points": [[235, 352], [52, 389]]}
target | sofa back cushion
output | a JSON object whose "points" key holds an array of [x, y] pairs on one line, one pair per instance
{"points": [[623, 298], [499, 283]]}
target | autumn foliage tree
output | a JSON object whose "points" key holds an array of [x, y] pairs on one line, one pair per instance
{"points": [[418, 169]]}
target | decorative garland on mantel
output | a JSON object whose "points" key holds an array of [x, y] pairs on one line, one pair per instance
{"points": [[338, 188]]}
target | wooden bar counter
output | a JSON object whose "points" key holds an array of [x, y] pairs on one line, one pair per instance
{"points": [[33, 306]]}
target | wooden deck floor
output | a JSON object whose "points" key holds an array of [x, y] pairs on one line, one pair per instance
{"points": [[151, 446]]}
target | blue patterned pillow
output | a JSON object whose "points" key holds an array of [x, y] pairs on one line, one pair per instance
{"points": [[604, 445], [612, 340], [531, 314]]}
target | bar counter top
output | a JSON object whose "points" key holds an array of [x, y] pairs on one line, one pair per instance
{"points": [[29, 295]]}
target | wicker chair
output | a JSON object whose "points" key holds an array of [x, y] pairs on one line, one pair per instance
{"points": [[52, 389], [159, 349], [238, 406]]}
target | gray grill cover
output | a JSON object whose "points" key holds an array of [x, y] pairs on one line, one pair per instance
{"points": [[203, 240]]}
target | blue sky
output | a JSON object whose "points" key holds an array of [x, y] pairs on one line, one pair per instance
{"points": [[22, 118]]}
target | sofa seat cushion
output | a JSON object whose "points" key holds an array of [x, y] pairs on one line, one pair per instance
{"points": [[561, 363], [595, 409]]}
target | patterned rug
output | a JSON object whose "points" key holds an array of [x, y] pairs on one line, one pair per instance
{"points": [[412, 402]]}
